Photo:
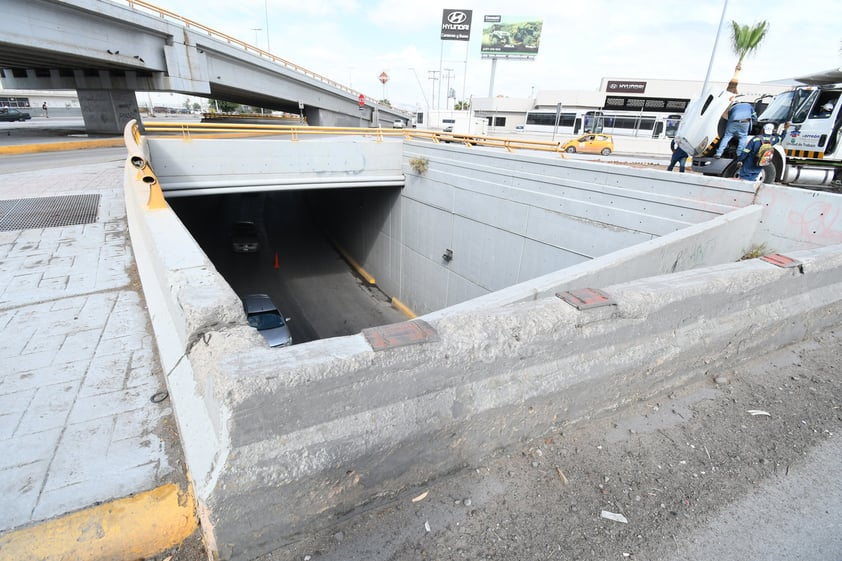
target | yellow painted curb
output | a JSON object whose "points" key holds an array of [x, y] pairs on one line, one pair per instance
{"points": [[127, 529], [59, 146], [354, 265], [401, 307]]}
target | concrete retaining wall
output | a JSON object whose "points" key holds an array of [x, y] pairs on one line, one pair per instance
{"points": [[508, 219], [281, 441], [798, 218]]}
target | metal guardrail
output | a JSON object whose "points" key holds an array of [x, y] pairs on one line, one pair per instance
{"points": [[294, 132], [190, 24]]}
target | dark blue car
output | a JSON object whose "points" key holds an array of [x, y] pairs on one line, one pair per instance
{"points": [[12, 114]]}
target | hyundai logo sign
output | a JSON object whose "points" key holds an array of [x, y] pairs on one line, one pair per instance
{"points": [[457, 17], [456, 25]]}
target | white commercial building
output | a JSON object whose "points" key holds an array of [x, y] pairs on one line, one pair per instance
{"points": [[621, 106]]}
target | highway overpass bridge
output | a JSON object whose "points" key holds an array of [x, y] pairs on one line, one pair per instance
{"points": [[107, 51]]}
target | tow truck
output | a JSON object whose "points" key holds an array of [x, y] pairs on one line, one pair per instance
{"points": [[810, 150]]}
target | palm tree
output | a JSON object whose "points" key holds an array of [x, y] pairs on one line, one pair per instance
{"points": [[744, 40]]}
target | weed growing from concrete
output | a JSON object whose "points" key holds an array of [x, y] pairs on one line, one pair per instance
{"points": [[419, 164], [755, 251]]}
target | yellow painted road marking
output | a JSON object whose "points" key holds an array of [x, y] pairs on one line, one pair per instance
{"points": [[127, 529], [58, 146]]}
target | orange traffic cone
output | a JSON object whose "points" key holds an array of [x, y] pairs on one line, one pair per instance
{"points": [[277, 264]]}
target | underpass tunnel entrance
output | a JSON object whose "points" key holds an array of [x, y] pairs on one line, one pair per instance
{"points": [[284, 248]]}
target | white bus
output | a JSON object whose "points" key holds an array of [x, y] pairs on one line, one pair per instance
{"points": [[642, 116]]}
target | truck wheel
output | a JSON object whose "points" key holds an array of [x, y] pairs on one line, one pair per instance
{"points": [[732, 170], [769, 173]]}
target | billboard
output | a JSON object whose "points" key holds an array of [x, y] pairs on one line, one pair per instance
{"points": [[455, 25], [505, 35]]}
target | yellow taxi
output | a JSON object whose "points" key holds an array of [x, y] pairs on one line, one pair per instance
{"points": [[590, 143]]}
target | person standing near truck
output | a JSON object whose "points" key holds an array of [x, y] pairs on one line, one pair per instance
{"points": [[740, 117], [679, 157], [44, 111], [757, 153]]}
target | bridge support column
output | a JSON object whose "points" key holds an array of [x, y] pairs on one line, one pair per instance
{"points": [[107, 111], [325, 118]]}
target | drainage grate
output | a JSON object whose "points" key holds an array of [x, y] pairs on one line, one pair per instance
{"points": [[48, 212]]}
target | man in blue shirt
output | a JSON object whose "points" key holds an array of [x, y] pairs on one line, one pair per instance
{"points": [[751, 168], [739, 123], [679, 157]]}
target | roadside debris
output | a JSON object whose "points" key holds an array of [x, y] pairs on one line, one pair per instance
{"points": [[561, 476], [614, 516], [756, 412], [420, 497]]}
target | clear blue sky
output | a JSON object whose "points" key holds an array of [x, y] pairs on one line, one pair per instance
{"points": [[353, 41]]}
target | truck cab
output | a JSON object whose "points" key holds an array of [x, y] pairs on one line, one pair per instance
{"points": [[807, 117], [704, 125]]}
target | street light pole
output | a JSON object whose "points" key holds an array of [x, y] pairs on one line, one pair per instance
{"points": [[256, 39], [266, 6], [713, 52]]}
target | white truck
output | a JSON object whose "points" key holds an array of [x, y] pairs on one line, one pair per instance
{"points": [[810, 151]]}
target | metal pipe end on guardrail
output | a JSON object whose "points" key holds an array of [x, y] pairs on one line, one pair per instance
{"points": [[156, 199]]}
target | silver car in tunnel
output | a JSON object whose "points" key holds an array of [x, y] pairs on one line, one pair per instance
{"points": [[263, 315]]}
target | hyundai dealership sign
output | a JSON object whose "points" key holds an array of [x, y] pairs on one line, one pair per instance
{"points": [[456, 25]]}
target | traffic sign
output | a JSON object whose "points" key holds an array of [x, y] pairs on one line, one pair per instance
{"points": [[362, 100]]}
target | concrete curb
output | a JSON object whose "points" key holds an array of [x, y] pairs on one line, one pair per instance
{"points": [[126, 529], [61, 146]]}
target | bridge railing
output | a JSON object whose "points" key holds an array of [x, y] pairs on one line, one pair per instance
{"points": [[166, 14], [295, 132]]}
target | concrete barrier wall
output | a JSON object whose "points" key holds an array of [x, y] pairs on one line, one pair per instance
{"points": [[188, 303], [320, 429], [197, 163]]}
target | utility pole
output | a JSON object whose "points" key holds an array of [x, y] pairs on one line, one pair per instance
{"points": [[449, 74], [434, 76]]}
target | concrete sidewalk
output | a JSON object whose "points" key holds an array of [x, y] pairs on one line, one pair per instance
{"points": [[85, 419]]}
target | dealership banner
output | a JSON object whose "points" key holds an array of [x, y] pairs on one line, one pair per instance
{"points": [[456, 25], [505, 35]]}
